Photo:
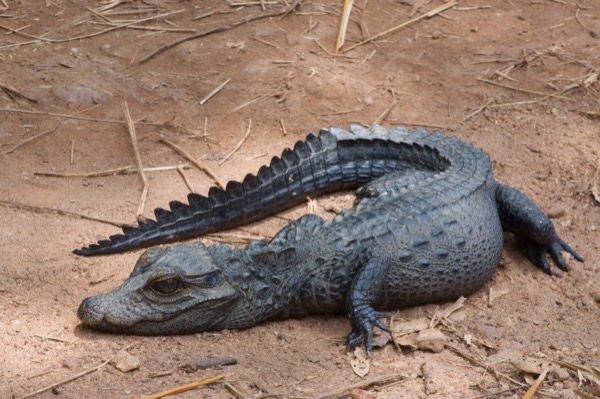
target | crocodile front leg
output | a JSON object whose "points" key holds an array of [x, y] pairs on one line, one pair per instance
{"points": [[519, 215], [366, 287]]}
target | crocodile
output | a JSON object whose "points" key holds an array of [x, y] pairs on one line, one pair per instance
{"points": [[426, 226]]}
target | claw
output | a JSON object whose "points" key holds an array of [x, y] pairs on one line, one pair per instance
{"points": [[366, 319], [554, 252], [570, 250], [536, 253]]}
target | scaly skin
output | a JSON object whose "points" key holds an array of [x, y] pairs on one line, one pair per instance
{"points": [[426, 227]]}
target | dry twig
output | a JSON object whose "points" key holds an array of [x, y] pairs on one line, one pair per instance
{"points": [[185, 179], [215, 91], [239, 145], [372, 382], [478, 109], [138, 159], [524, 90], [43, 209], [429, 14], [29, 140], [126, 170], [80, 118], [385, 113], [184, 388], [223, 28], [534, 387], [204, 168]]}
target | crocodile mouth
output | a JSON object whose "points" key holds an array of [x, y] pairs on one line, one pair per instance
{"points": [[91, 316], [101, 319]]}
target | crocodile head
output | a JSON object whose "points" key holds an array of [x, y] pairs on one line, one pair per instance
{"points": [[172, 290]]}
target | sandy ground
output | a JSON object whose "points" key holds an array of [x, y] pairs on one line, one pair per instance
{"points": [[543, 135]]}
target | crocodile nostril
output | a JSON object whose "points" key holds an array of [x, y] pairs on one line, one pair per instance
{"points": [[84, 309]]}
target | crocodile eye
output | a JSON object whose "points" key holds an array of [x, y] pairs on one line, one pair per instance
{"points": [[166, 286]]}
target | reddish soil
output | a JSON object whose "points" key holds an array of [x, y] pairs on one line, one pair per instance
{"points": [[281, 74]]}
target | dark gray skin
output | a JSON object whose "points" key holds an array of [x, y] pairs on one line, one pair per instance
{"points": [[426, 227]]}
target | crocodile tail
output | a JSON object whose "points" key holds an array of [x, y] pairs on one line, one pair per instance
{"points": [[311, 168]]}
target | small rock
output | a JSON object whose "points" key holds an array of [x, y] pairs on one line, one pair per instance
{"points": [[458, 316], [362, 394], [15, 327], [491, 332], [529, 365], [381, 340], [431, 339], [73, 363], [556, 213], [125, 362], [561, 374], [407, 341], [429, 370]]}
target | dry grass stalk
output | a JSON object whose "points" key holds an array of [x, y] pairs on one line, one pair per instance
{"points": [[283, 129], [80, 118], [72, 153], [345, 17], [379, 381], [385, 113], [243, 21], [264, 42], [14, 94], [261, 3], [234, 391], [138, 159], [239, 145], [215, 91], [185, 179], [534, 387], [429, 14], [43, 209], [126, 170], [539, 93], [204, 168], [255, 99], [207, 14], [184, 388], [478, 109], [29, 140]]}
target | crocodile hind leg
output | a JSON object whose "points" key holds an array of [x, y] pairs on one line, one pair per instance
{"points": [[519, 215], [365, 289]]}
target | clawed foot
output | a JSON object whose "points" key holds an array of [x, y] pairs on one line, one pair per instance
{"points": [[536, 253], [364, 319]]}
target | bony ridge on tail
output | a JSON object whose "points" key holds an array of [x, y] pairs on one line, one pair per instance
{"points": [[427, 225]]}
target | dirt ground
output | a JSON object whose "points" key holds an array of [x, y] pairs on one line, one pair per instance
{"points": [[60, 60]]}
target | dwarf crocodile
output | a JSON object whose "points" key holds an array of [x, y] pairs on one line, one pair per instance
{"points": [[426, 226]]}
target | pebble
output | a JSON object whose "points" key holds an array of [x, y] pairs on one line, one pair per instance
{"points": [[73, 363], [561, 374], [125, 362], [431, 339], [429, 370], [15, 327], [491, 332]]}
